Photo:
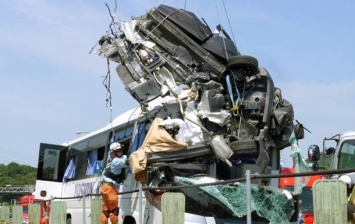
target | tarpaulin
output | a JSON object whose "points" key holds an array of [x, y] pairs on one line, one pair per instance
{"points": [[156, 140]]}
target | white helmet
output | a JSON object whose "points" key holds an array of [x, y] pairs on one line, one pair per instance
{"points": [[115, 146], [346, 179]]}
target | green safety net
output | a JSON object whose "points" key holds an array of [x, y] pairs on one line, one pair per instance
{"points": [[268, 203]]}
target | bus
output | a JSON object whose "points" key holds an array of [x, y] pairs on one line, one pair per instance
{"points": [[71, 171], [206, 115]]}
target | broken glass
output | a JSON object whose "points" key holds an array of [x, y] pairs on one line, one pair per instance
{"points": [[272, 204]]}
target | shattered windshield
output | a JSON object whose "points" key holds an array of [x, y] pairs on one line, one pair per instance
{"points": [[270, 204]]}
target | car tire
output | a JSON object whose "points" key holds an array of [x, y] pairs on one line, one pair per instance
{"points": [[243, 147], [244, 61]]}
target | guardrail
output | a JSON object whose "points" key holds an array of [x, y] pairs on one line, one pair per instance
{"points": [[17, 190], [141, 188]]}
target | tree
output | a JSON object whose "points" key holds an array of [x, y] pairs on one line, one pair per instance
{"points": [[17, 175]]}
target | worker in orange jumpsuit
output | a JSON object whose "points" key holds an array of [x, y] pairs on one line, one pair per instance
{"points": [[110, 180]]}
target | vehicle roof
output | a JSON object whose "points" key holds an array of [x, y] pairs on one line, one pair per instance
{"points": [[347, 134], [130, 115]]}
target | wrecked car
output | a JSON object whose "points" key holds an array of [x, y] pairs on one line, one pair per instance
{"points": [[208, 109]]}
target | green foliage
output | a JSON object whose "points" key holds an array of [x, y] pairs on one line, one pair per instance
{"points": [[16, 175]]}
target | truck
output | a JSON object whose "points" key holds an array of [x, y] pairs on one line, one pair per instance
{"points": [[306, 208], [28, 199], [24, 202], [340, 149]]}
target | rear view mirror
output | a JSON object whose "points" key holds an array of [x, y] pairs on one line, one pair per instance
{"points": [[329, 151], [313, 153], [299, 131]]}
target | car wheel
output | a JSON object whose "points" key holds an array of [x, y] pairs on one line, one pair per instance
{"points": [[244, 147], [244, 61]]}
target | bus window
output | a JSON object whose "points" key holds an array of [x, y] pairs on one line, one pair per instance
{"points": [[96, 156], [98, 141], [76, 167], [78, 152], [122, 134], [80, 168], [48, 162], [70, 170], [95, 161], [86, 157], [80, 146]]}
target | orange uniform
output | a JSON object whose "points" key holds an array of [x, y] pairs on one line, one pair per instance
{"points": [[111, 176], [109, 203]]}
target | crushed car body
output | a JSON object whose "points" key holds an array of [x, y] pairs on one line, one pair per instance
{"points": [[202, 102]]}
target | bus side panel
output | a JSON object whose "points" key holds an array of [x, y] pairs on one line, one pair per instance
{"points": [[42, 185], [129, 207], [80, 188]]}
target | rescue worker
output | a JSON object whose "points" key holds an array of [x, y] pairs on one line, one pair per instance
{"points": [[110, 180]]}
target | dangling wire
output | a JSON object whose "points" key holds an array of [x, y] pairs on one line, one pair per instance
{"points": [[112, 23], [107, 84], [230, 27], [219, 20], [107, 80]]}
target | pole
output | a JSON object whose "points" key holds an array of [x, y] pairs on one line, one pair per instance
{"points": [[51, 220], [296, 168], [140, 203], [248, 194], [84, 208]]}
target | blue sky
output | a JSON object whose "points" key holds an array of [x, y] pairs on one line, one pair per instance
{"points": [[52, 87]]}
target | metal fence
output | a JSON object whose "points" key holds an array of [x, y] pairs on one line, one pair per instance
{"points": [[174, 214]]}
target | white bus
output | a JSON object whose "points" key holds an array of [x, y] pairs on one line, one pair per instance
{"points": [[219, 114], [72, 170]]}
